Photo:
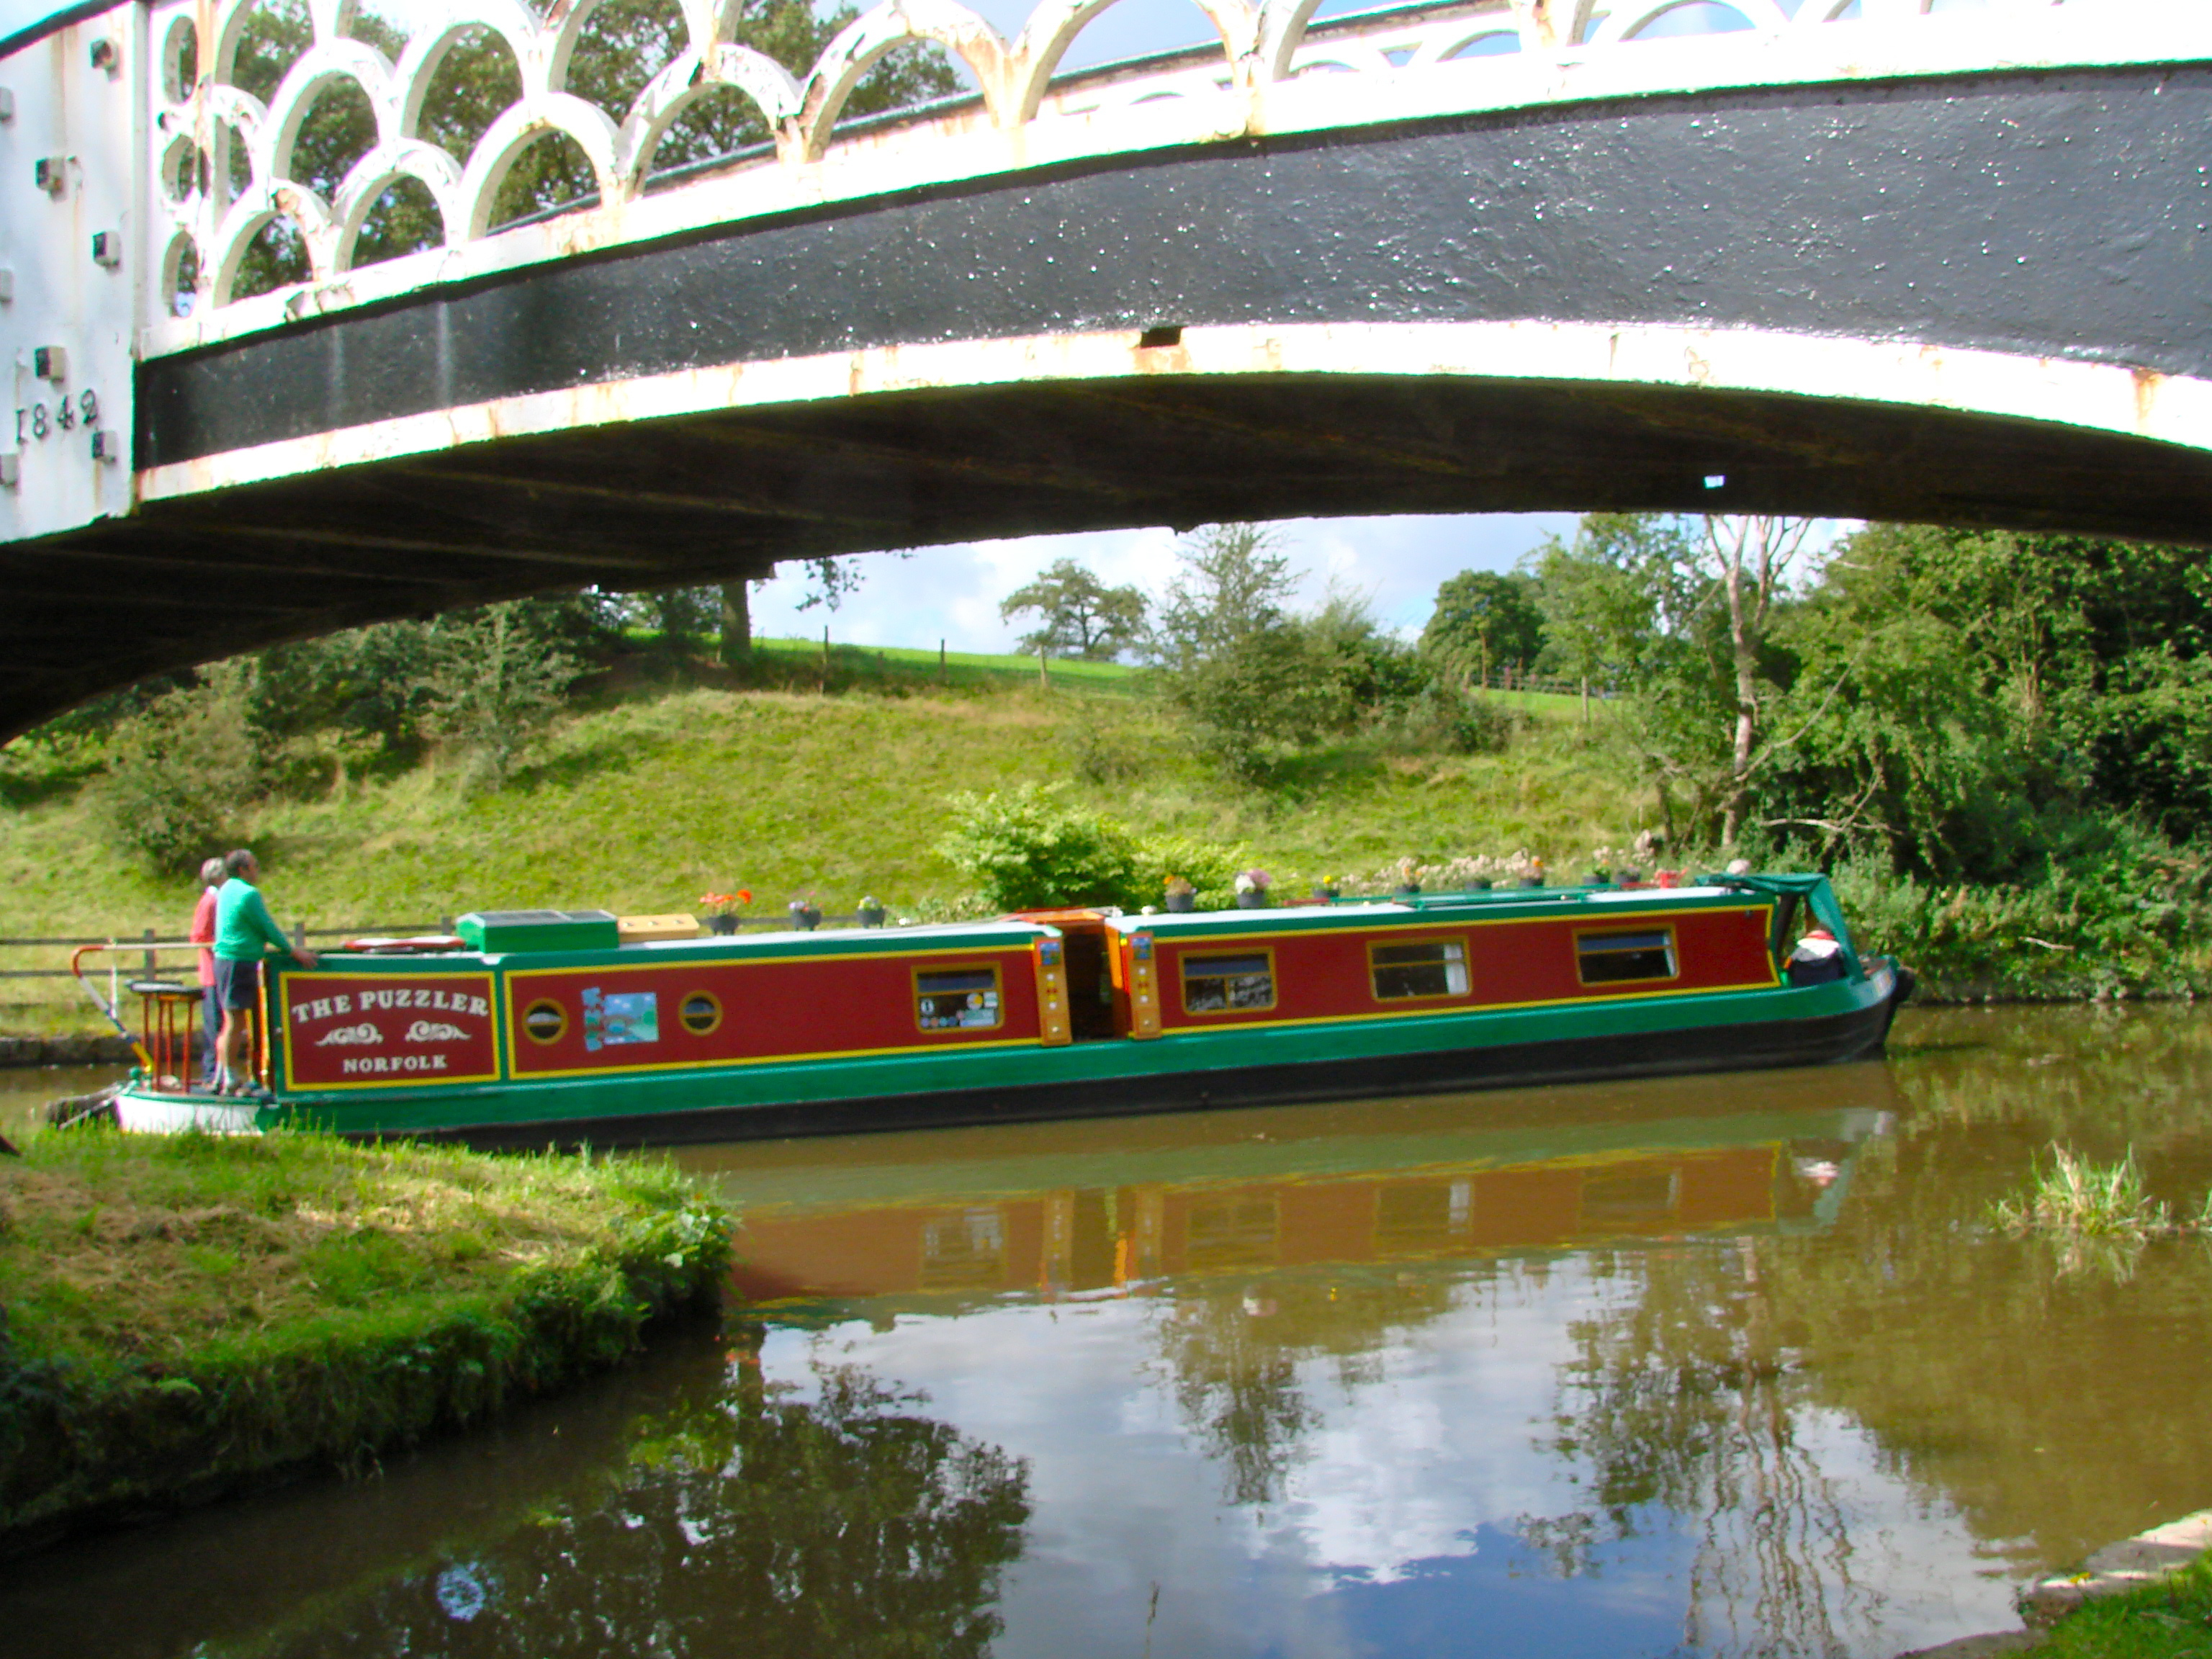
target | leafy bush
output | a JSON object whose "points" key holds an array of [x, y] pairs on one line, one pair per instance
{"points": [[1447, 718], [182, 771], [1030, 849], [2116, 911]]}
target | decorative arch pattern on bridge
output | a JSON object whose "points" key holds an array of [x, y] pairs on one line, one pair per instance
{"points": [[1873, 264]]}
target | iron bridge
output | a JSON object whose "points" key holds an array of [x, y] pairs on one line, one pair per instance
{"points": [[1901, 258]]}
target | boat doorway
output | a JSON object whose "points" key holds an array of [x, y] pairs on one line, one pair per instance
{"points": [[1085, 941]]}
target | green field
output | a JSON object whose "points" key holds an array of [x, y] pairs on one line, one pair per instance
{"points": [[661, 795]]}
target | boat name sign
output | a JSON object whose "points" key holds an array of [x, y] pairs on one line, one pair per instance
{"points": [[359, 1029]]}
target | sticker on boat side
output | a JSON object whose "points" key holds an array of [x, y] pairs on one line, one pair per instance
{"points": [[614, 1017], [381, 1031]]}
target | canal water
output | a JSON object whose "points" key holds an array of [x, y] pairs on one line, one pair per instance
{"points": [[1724, 1365]]}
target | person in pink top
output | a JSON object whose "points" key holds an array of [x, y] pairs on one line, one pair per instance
{"points": [[212, 876]]}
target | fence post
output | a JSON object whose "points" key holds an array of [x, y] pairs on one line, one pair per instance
{"points": [[940, 662], [299, 931], [445, 925], [1044, 674], [148, 964]]}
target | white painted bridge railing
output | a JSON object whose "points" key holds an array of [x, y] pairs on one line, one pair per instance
{"points": [[197, 119]]}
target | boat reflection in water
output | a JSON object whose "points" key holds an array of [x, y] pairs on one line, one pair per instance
{"points": [[941, 1219]]}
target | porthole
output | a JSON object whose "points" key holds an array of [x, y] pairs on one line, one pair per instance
{"points": [[544, 1022], [701, 1013]]}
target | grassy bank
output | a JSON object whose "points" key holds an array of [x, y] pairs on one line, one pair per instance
{"points": [[187, 1313], [646, 802]]}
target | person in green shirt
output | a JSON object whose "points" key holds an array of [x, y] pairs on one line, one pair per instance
{"points": [[245, 933]]}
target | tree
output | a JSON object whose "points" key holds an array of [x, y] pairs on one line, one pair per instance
{"points": [[1242, 670], [1972, 703], [185, 767], [1363, 667], [1750, 557], [737, 622], [1485, 620], [1603, 594], [498, 679], [1080, 616]]}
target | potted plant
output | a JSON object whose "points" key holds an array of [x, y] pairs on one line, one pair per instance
{"points": [[1252, 887], [1408, 885], [806, 915], [1182, 897], [871, 911], [1534, 876], [724, 918], [1329, 889]]}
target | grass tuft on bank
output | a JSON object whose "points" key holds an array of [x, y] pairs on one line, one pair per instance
{"points": [[2170, 1619], [182, 1314]]}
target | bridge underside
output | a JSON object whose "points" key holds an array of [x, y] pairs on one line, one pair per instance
{"points": [[1969, 299], [715, 495]]}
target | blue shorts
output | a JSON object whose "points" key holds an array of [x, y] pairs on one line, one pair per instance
{"points": [[237, 984]]}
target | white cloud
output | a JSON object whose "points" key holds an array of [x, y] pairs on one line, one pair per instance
{"points": [[1431, 1459]]}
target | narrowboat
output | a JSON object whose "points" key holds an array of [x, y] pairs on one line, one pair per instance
{"points": [[559, 1027]]}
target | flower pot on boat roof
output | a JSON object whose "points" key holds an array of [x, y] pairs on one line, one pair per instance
{"points": [[724, 918], [1181, 896], [806, 915], [872, 913], [1252, 890]]}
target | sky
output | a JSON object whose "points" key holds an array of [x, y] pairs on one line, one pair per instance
{"points": [[953, 594]]}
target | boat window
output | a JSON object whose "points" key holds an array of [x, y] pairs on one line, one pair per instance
{"points": [[1222, 985], [967, 1251], [701, 1013], [544, 1022], [956, 998], [1433, 967], [1619, 958]]}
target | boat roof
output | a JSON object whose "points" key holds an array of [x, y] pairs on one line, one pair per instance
{"points": [[1519, 903], [1023, 928]]}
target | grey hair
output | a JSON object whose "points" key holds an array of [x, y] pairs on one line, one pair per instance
{"points": [[212, 872], [236, 862]]}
